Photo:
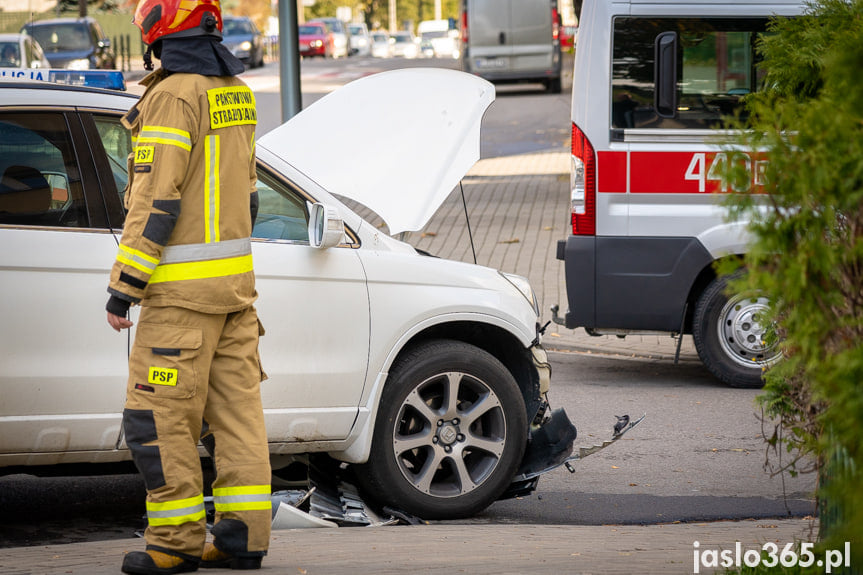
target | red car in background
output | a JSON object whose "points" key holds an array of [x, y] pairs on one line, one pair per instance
{"points": [[315, 40]]}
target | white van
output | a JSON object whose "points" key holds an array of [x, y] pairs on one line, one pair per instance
{"points": [[652, 82], [507, 41], [442, 35]]}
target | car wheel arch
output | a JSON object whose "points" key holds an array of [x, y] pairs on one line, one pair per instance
{"points": [[489, 334]]}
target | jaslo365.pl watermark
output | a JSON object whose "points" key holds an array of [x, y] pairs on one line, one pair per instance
{"points": [[769, 555]]}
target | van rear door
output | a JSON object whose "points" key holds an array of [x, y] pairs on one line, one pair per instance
{"points": [[530, 38], [489, 23]]}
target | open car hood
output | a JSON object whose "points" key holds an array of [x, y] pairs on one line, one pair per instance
{"points": [[397, 142]]}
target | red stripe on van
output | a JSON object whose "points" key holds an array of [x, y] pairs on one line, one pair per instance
{"points": [[611, 172], [664, 173]]}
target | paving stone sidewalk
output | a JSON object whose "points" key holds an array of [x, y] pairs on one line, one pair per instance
{"points": [[455, 548]]}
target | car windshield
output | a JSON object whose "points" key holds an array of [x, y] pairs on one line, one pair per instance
{"points": [[236, 27], [402, 38], [310, 30], [356, 29], [380, 37], [61, 37], [9, 55]]}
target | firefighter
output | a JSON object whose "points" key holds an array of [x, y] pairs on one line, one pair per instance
{"points": [[185, 257]]}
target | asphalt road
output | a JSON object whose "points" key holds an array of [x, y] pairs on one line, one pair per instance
{"points": [[697, 456]]}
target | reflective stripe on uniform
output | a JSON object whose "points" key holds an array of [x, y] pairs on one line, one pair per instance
{"points": [[137, 259], [202, 269], [165, 135], [176, 512], [242, 498], [211, 189], [183, 253]]}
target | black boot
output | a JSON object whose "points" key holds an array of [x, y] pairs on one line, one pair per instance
{"points": [[213, 558]]}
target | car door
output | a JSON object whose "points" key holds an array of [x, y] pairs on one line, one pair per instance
{"points": [[62, 370], [314, 305]]}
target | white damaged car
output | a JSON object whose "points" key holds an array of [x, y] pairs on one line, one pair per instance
{"points": [[426, 374]]}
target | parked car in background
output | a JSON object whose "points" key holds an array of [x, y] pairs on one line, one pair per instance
{"points": [[21, 51], [244, 40], [405, 45], [360, 41], [315, 40], [382, 45], [73, 43], [426, 49], [340, 33], [512, 41], [442, 36]]}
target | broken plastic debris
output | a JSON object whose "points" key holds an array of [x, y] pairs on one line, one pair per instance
{"points": [[289, 517]]}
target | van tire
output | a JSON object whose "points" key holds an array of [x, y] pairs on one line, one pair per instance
{"points": [[719, 320], [554, 85], [422, 377]]}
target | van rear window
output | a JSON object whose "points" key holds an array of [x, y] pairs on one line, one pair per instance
{"points": [[716, 67]]}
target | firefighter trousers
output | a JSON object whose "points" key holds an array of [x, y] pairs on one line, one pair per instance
{"points": [[196, 376]]}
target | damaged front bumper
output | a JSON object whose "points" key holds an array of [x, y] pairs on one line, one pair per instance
{"points": [[552, 445], [551, 442]]}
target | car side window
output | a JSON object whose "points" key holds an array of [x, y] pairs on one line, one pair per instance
{"points": [[40, 184], [117, 142], [282, 212], [716, 67]]}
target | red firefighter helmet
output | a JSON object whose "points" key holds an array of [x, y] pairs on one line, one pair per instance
{"points": [[178, 18]]}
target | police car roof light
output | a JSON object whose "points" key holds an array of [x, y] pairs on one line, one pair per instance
{"points": [[107, 79]]}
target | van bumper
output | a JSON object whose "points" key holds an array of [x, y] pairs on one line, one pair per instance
{"points": [[630, 283]]}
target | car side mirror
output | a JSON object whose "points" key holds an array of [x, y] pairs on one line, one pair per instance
{"points": [[104, 43], [326, 227]]}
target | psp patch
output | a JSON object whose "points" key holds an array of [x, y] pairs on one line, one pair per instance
{"points": [[231, 106], [144, 154], [162, 376]]}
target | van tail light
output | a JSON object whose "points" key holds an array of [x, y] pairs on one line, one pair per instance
{"points": [[582, 181], [555, 24], [464, 31]]}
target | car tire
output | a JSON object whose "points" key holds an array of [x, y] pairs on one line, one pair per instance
{"points": [[416, 429], [728, 334]]}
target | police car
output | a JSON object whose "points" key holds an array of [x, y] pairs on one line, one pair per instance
{"points": [[652, 83], [428, 373]]}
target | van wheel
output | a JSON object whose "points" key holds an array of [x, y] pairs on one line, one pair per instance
{"points": [[450, 432], [729, 334]]}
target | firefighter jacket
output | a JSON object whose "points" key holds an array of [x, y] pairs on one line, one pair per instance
{"points": [[191, 198]]}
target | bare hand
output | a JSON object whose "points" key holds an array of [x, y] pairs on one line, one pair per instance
{"points": [[118, 322]]}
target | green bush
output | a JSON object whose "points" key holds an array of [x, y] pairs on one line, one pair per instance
{"points": [[807, 254]]}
